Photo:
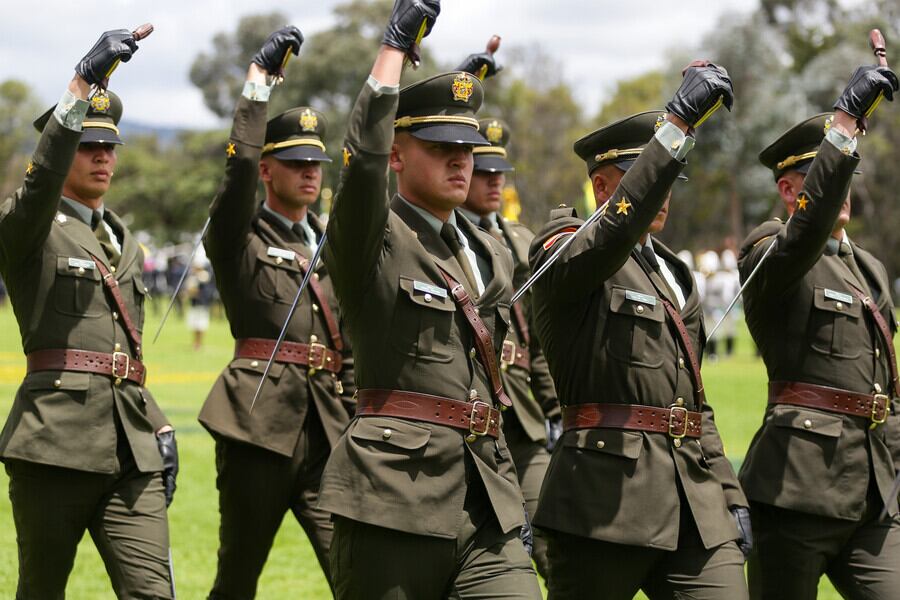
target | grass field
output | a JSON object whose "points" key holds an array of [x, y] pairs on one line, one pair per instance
{"points": [[180, 378]]}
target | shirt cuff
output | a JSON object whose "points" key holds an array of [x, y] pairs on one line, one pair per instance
{"points": [[674, 140], [258, 92], [379, 88], [70, 111], [844, 143]]}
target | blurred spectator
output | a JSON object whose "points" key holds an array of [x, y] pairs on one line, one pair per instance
{"points": [[200, 291], [723, 286]]}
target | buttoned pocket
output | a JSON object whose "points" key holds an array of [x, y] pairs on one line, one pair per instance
{"points": [[634, 328], [391, 432], [70, 381], [422, 324], [625, 444], [277, 278], [833, 316], [78, 290], [140, 298], [807, 420]]}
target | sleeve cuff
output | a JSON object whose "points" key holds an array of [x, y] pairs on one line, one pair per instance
{"points": [[258, 92], [380, 88], [70, 111], [674, 140], [844, 143]]}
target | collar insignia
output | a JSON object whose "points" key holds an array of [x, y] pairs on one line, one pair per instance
{"points": [[462, 88], [308, 121]]}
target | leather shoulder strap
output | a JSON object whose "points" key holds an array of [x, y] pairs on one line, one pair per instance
{"points": [[324, 308], [118, 302], [885, 330], [521, 324], [483, 344]]}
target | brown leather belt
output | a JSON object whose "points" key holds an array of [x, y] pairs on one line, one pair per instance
{"points": [[476, 417], [315, 356], [117, 365], [874, 407], [676, 421], [514, 355]]}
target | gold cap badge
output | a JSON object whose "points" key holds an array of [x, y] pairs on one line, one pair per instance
{"points": [[100, 102], [494, 132], [462, 87], [308, 120]]}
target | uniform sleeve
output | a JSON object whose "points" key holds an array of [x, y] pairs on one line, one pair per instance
{"points": [[542, 387], [357, 226], [718, 462], [802, 240], [26, 216], [347, 378], [601, 250], [235, 203]]}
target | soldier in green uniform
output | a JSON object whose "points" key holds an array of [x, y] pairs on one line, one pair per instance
{"points": [[533, 424], [422, 484], [820, 468], [639, 493], [270, 459], [85, 442]]}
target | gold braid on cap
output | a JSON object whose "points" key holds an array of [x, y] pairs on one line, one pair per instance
{"points": [[100, 124], [489, 150], [793, 160], [436, 120], [614, 154], [289, 143]]}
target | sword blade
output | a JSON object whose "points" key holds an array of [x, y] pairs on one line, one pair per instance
{"points": [[172, 574], [287, 320], [187, 268]]}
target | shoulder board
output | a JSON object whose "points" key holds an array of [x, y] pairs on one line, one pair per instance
{"points": [[558, 235]]}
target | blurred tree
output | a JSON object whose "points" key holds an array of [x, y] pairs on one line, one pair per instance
{"points": [[18, 107]]}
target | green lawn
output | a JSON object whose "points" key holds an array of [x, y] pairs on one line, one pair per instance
{"points": [[180, 378]]}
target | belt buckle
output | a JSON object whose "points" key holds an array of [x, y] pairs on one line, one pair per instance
{"points": [[115, 360], [881, 407], [507, 354], [314, 348], [487, 418], [673, 410]]}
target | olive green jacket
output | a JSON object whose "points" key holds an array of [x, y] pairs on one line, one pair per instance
{"points": [[532, 392], [67, 419], [806, 333], [607, 340], [408, 335], [247, 246]]}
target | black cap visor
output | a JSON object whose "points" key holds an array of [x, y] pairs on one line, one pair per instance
{"points": [[624, 165], [492, 163], [447, 133], [100, 135], [303, 152]]}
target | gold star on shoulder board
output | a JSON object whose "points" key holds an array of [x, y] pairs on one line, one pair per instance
{"points": [[802, 201], [30, 168], [623, 205], [347, 156], [230, 150]]}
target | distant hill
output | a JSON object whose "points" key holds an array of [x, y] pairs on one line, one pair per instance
{"points": [[165, 135]]}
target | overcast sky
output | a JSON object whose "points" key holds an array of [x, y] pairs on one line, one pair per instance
{"points": [[597, 41]]}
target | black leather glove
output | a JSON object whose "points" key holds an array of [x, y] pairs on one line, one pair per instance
{"points": [[168, 449], [96, 65], [703, 84], [473, 63], [554, 428], [865, 84], [271, 56], [406, 19], [526, 534], [741, 516]]}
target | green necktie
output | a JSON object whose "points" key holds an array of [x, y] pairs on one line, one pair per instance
{"points": [[102, 234], [448, 234]]}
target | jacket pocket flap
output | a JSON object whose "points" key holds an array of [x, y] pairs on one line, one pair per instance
{"points": [[258, 366], [58, 380], [278, 262], [139, 287], [805, 419], [504, 311], [617, 442], [636, 304], [837, 301], [427, 294], [74, 266], [396, 432]]}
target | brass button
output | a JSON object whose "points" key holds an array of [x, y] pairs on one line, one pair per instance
{"points": [[386, 434], [316, 276], [146, 291], [112, 269], [839, 305], [877, 352], [115, 316], [471, 438], [877, 388], [676, 144], [279, 260], [315, 308], [640, 309], [81, 270], [254, 363], [57, 383], [600, 444], [118, 381], [428, 298], [313, 339], [677, 442], [117, 347], [680, 362], [528, 379], [472, 353], [679, 401], [473, 394], [807, 424]]}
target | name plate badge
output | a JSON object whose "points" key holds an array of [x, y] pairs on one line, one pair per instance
{"points": [[639, 297], [281, 253], [839, 296], [81, 263], [427, 288]]}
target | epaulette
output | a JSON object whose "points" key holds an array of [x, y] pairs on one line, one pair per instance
{"points": [[562, 211]]}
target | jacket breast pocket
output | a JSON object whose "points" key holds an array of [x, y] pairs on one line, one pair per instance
{"points": [[78, 290], [385, 433], [56, 390], [277, 279], [140, 297], [832, 317], [815, 424], [634, 327], [423, 321]]}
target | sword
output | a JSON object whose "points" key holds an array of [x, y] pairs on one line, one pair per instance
{"points": [[291, 311], [492, 46], [138, 34], [172, 574]]}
